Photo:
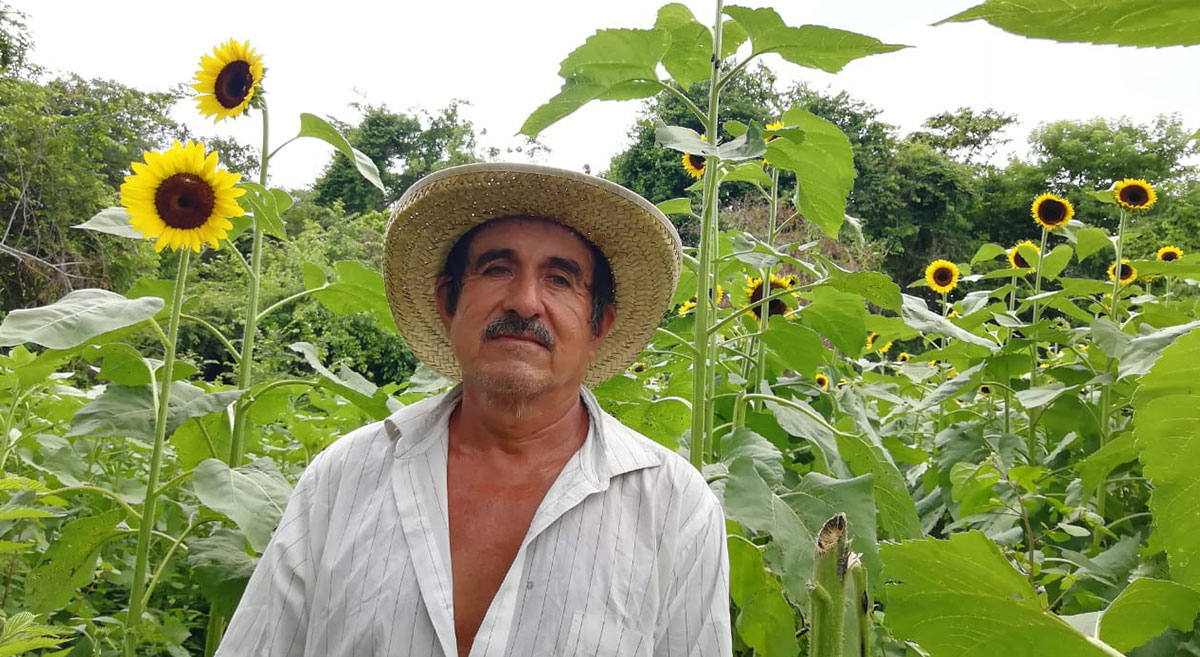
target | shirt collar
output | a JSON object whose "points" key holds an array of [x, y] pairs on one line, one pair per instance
{"points": [[610, 449]]}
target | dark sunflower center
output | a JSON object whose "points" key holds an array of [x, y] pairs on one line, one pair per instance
{"points": [[1134, 195], [1168, 256], [233, 84], [1052, 212], [1019, 261], [697, 162], [774, 306], [184, 200], [943, 276], [1126, 272], [985, 390]]}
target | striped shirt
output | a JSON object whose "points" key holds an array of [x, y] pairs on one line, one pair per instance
{"points": [[625, 555]]}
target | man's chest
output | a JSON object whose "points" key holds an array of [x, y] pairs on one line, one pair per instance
{"points": [[592, 577]]}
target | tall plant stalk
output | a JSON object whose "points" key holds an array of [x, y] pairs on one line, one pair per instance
{"points": [[150, 501], [1114, 313], [246, 362], [702, 339]]}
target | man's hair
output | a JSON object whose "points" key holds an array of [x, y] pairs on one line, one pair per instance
{"points": [[602, 288]]}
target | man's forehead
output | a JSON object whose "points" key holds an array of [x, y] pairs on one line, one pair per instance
{"points": [[526, 234]]}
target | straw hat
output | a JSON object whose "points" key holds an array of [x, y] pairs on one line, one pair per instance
{"points": [[641, 245]]}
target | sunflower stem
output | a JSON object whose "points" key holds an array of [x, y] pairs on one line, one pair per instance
{"points": [[245, 366], [702, 333], [764, 308], [146, 524], [1037, 315], [1106, 393]]}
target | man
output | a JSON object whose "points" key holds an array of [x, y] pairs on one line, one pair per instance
{"points": [[510, 516]]}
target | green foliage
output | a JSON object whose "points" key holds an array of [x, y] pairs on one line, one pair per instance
{"points": [[1142, 23]]}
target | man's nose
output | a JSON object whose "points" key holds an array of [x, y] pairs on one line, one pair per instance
{"points": [[524, 295]]}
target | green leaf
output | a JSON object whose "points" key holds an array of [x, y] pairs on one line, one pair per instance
{"points": [[1186, 267], [748, 172], [1093, 469], [917, 315], [733, 35], [358, 391], [962, 597], [252, 495], [1145, 609], [989, 251], [1056, 261], [262, 204], [804, 424], [767, 458], [128, 411], [818, 498], [839, 316], [70, 562], [875, 287], [1042, 395], [745, 147], [121, 364], [676, 206], [1141, 23], [202, 438], [679, 138], [222, 566], [1090, 240], [577, 92], [312, 125], [749, 502], [824, 166], [1166, 411], [358, 289], [76, 318], [112, 221], [673, 15], [689, 57], [971, 486], [897, 514], [765, 621], [1144, 350], [798, 348], [21, 512], [813, 46]]}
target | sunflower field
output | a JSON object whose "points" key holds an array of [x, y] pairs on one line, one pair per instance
{"points": [[997, 459]]}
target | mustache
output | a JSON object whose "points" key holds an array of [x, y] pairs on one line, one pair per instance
{"points": [[512, 325]]}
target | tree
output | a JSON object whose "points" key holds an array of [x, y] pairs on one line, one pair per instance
{"points": [[969, 136], [14, 39], [405, 147]]}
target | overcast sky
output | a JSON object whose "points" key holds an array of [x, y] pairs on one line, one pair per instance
{"points": [[502, 58]]}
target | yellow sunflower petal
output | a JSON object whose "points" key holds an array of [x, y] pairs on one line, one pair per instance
{"points": [[1050, 211], [941, 276], [1134, 194]]}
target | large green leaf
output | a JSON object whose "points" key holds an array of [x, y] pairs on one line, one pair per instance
{"points": [[1145, 609], [614, 64], [897, 514], [222, 565], [1093, 469], [1056, 261], [312, 125], [765, 620], [689, 57], [874, 286], [69, 563], [813, 46], [799, 348], [805, 424], [112, 221], [962, 597], [202, 438], [1166, 412], [358, 289], [262, 203], [75, 318], [839, 316], [818, 498], [128, 411], [917, 315], [1144, 350], [763, 453], [823, 162], [1090, 240], [252, 495], [1143, 23], [350, 385], [749, 502]]}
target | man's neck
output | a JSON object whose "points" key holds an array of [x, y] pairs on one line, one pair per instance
{"points": [[549, 423]]}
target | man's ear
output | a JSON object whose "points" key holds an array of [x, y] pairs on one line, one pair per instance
{"points": [[607, 318], [441, 292]]}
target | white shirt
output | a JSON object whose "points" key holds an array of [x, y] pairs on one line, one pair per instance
{"points": [[626, 554]]}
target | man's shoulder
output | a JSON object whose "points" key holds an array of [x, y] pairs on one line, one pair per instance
{"points": [[375, 440], [672, 473]]}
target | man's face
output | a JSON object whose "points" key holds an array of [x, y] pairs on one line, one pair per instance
{"points": [[522, 325]]}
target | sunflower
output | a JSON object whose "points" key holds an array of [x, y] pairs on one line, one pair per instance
{"points": [[181, 198], [842, 383], [884, 349], [823, 381], [689, 305], [985, 390], [1170, 253], [871, 338], [903, 357], [1128, 273], [754, 294], [1052, 211], [227, 80], [1134, 194], [942, 276], [778, 125], [1017, 260]]}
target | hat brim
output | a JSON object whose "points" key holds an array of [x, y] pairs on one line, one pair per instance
{"points": [[641, 245]]}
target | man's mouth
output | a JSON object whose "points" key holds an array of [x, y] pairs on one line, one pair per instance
{"points": [[522, 337]]}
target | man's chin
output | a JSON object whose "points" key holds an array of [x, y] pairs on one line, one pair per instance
{"points": [[510, 380]]}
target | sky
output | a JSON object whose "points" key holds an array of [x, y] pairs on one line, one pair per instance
{"points": [[502, 58]]}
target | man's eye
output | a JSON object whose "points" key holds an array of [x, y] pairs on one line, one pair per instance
{"points": [[494, 270], [561, 281]]}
